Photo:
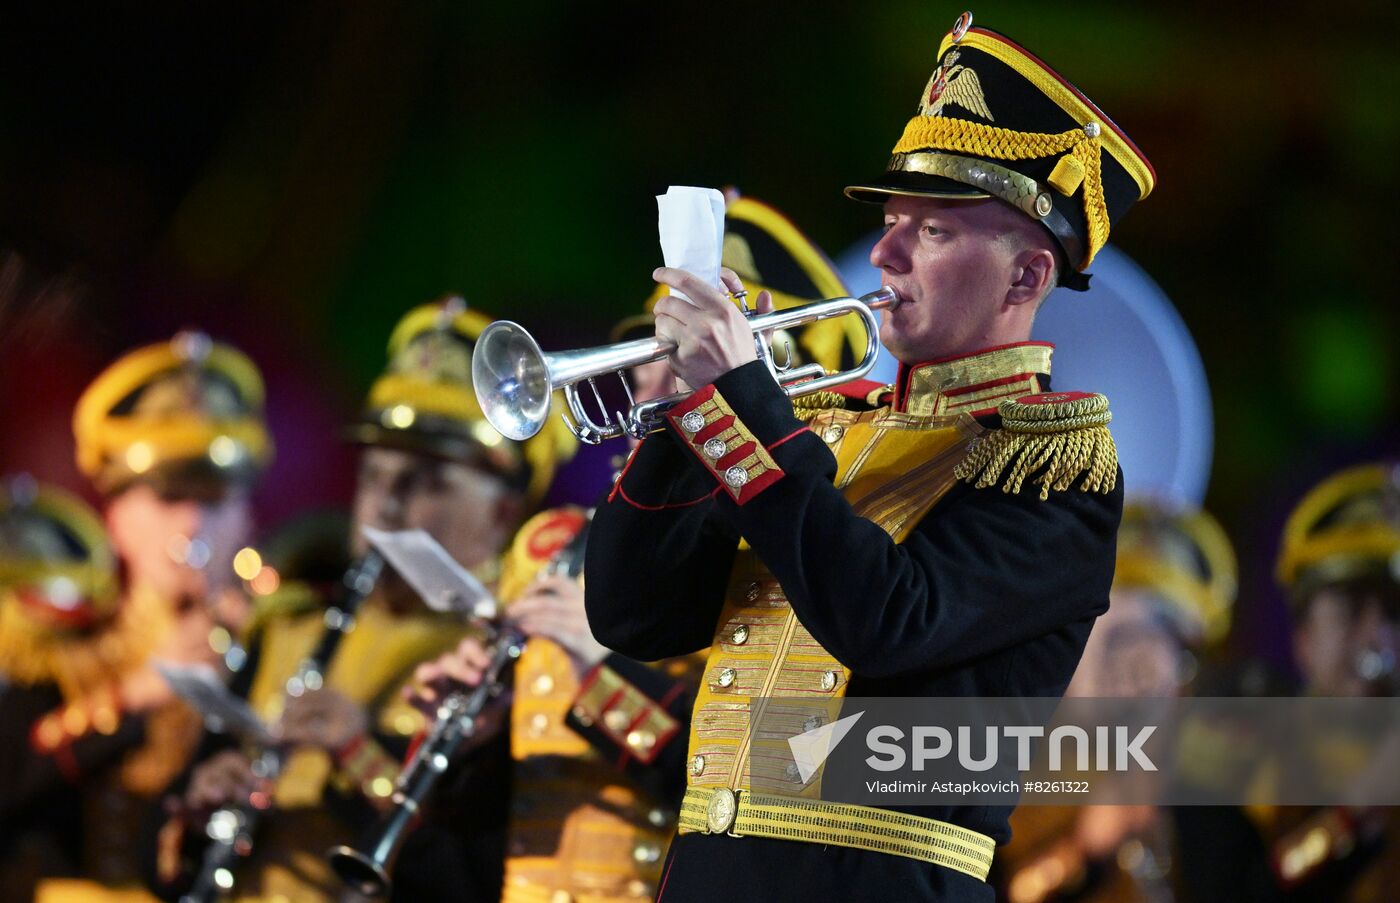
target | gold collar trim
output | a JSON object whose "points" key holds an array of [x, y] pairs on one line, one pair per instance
{"points": [[973, 383]]}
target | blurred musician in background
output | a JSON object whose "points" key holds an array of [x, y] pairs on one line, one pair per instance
{"points": [[66, 649], [429, 461], [1170, 607], [1338, 564], [172, 434]]}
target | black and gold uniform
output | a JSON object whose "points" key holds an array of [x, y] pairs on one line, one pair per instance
{"points": [[952, 536], [599, 758], [321, 797]]}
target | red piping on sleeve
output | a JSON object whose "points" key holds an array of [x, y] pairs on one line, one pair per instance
{"points": [[797, 432]]}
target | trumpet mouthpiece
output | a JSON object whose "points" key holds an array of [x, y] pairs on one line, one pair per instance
{"points": [[886, 297]]}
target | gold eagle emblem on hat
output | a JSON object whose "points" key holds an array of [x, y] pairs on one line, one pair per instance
{"points": [[957, 85]]}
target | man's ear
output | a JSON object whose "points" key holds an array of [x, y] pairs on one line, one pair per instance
{"points": [[1033, 276]]}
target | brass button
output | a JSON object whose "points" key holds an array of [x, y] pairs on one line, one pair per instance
{"points": [[697, 765], [714, 449], [736, 476], [539, 723], [832, 433], [740, 635], [726, 677], [752, 591], [581, 715], [693, 422], [542, 685], [828, 680], [643, 740], [616, 719]]}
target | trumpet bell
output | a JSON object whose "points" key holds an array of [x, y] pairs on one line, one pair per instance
{"points": [[511, 377], [514, 379]]}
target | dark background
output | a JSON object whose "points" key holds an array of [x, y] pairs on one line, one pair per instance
{"points": [[292, 177]]}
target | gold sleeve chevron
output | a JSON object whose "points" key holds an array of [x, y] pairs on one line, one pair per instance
{"points": [[628, 717], [1066, 434], [366, 768]]}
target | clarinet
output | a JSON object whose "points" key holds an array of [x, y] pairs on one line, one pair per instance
{"points": [[367, 868], [230, 829]]}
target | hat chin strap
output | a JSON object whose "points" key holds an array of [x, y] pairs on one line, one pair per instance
{"points": [[1016, 189]]}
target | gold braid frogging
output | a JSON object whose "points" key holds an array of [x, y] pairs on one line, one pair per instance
{"points": [[963, 136]]}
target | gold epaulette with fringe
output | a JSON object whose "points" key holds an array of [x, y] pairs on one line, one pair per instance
{"points": [[80, 662], [1060, 434]]}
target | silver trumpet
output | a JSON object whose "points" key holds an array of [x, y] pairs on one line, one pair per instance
{"points": [[515, 380]]}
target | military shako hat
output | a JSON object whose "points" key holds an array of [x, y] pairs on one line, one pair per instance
{"points": [[185, 416], [995, 121]]}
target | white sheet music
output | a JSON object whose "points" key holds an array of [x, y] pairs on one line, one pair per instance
{"points": [[224, 713], [424, 564], [691, 225]]}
